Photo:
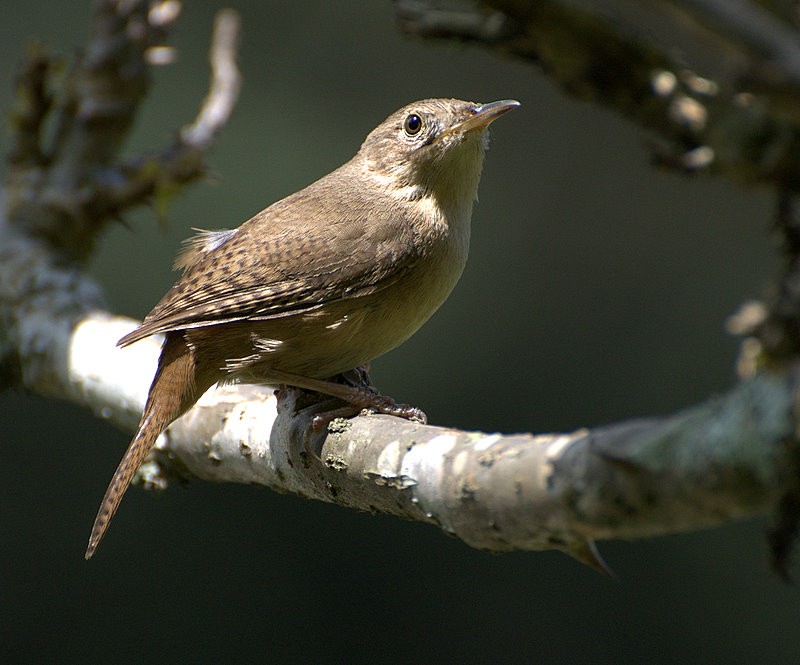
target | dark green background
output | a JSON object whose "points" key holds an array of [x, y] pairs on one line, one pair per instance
{"points": [[596, 291]]}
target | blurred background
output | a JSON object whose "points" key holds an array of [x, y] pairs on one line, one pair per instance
{"points": [[596, 290]]}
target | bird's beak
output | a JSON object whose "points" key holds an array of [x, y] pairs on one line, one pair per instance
{"points": [[482, 116]]}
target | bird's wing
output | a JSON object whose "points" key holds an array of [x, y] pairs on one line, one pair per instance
{"points": [[281, 263]]}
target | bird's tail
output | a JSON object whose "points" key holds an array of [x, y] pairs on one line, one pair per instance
{"points": [[174, 390]]}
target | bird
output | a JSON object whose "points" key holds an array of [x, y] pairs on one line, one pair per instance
{"points": [[321, 282]]}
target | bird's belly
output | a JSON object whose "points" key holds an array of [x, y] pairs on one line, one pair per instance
{"points": [[336, 337]]}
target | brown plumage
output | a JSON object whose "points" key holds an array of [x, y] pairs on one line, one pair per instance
{"points": [[322, 281]]}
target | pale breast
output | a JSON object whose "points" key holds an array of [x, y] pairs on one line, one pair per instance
{"points": [[344, 334]]}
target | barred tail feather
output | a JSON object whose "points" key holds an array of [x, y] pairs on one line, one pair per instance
{"points": [[175, 388]]}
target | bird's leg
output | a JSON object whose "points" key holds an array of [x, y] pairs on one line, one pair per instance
{"points": [[360, 395], [358, 377], [355, 389]]}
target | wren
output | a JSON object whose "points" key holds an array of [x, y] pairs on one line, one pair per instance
{"points": [[322, 281]]}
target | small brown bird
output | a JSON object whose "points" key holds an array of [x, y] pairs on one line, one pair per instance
{"points": [[322, 281]]}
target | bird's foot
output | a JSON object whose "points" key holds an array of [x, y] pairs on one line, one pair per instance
{"points": [[355, 393], [386, 405]]}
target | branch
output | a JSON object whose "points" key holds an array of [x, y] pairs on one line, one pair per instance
{"points": [[725, 459]]}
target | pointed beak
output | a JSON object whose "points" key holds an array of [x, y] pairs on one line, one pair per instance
{"points": [[482, 116], [485, 114]]}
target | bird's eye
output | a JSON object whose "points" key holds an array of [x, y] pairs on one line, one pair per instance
{"points": [[412, 125]]}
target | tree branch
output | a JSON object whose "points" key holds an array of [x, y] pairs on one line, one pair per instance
{"points": [[725, 459]]}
